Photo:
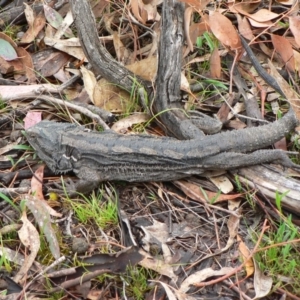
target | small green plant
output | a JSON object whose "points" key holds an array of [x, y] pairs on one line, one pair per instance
{"points": [[3, 104], [4, 261], [9, 201], [282, 259], [102, 213], [136, 281], [278, 200], [238, 184]]}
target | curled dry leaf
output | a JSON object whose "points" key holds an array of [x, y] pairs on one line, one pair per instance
{"points": [[122, 125], [244, 6], [123, 54], [245, 253], [290, 94], [157, 265], [196, 4], [215, 64], [261, 16], [31, 240], [36, 24], [187, 19], [55, 20], [145, 11], [70, 46], [40, 211], [64, 26], [262, 283], [224, 31], [145, 68], [32, 118], [244, 28], [201, 276], [295, 28], [110, 97], [89, 81], [196, 193], [222, 183], [27, 64], [285, 50], [260, 24]]}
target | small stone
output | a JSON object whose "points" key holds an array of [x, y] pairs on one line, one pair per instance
{"points": [[79, 245]]}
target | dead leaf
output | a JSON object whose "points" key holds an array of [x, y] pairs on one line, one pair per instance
{"points": [[196, 193], [9, 146], [193, 32], [110, 97], [30, 239], [187, 19], [63, 28], [290, 94], [56, 20], [54, 63], [37, 181], [124, 55], [245, 253], [89, 81], [70, 46], [222, 183], [215, 64], [224, 31], [145, 68], [40, 211], [122, 125], [243, 7], [145, 11], [201, 276], [262, 283], [157, 265], [36, 24], [32, 118], [233, 227], [184, 84], [263, 15], [295, 28], [196, 4], [245, 28], [168, 289], [26, 65], [285, 50], [260, 24]]}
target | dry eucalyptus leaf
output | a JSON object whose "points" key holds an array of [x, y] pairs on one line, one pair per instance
{"points": [[110, 97], [224, 31]]}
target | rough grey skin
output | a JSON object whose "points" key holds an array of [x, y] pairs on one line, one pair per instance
{"points": [[95, 156]]}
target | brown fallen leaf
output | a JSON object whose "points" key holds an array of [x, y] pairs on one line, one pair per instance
{"points": [[36, 24], [30, 238], [215, 64], [245, 253], [284, 48], [224, 31], [122, 125], [295, 28], [196, 193]]}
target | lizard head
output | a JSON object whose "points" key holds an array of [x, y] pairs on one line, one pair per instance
{"points": [[45, 138]]}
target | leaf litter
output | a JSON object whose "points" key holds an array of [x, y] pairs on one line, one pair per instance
{"points": [[184, 232]]}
